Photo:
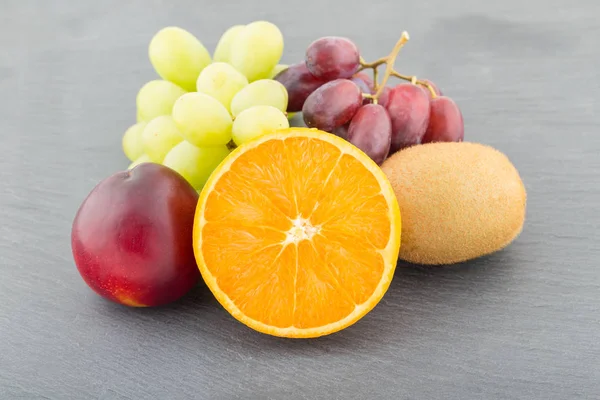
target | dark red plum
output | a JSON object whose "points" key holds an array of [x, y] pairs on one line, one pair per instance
{"points": [[132, 237]]}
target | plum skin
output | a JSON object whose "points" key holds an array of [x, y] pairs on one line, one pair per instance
{"points": [[132, 237]]}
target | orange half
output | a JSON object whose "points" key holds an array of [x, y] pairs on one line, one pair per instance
{"points": [[297, 233]]}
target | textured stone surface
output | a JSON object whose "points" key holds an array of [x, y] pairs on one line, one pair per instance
{"points": [[521, 324]]}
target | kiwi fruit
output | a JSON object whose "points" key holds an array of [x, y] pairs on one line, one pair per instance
{"points": [[458, 201]]}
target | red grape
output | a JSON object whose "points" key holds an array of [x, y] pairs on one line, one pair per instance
{"points": [[384, 96], [300, 83], [365, 83], [408, 106], [341, 131], [332, 105], [445, 122], [332, 58], [433, 85], [371, 131], [362, 85]]}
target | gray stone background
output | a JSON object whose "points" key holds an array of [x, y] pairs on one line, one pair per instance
{"points": [[521, 324]]}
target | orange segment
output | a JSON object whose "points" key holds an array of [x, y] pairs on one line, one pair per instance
{"points": [[367, 221], [246, 204], [229, 244], [267, 175], [297, 233], [316, 282], [302, 157], [357, 268], [274, 284]]}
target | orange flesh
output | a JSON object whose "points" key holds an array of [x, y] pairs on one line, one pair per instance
{"points": [[297, 234]]}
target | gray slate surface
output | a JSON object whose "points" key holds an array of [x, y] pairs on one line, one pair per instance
{"points": [[521, 324]]}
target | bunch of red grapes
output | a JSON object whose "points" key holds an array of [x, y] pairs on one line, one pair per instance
{"points": [[336, 96]]}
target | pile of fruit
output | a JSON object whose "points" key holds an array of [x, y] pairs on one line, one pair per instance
{"points": [[296, 231]]}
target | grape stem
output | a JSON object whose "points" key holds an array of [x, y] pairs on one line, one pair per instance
{"points": [[414, 81], [231, 145], [375, 82], [389, 61], [374, 64]]}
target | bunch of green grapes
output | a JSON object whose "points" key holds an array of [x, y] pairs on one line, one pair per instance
{"points": [[203, 106]]}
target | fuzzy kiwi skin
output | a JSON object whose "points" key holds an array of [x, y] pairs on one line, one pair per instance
{"points": [[458, 201]]}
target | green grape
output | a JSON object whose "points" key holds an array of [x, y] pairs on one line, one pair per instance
{"points": [[277, 69], [221, 81], [257, 49], [132, 141], [141, 159], [178, 56], [202, 120], [157, 98], [257, 121], [223, 49], [263, 92], [160, 136], [138, 117], [195, 164]]}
